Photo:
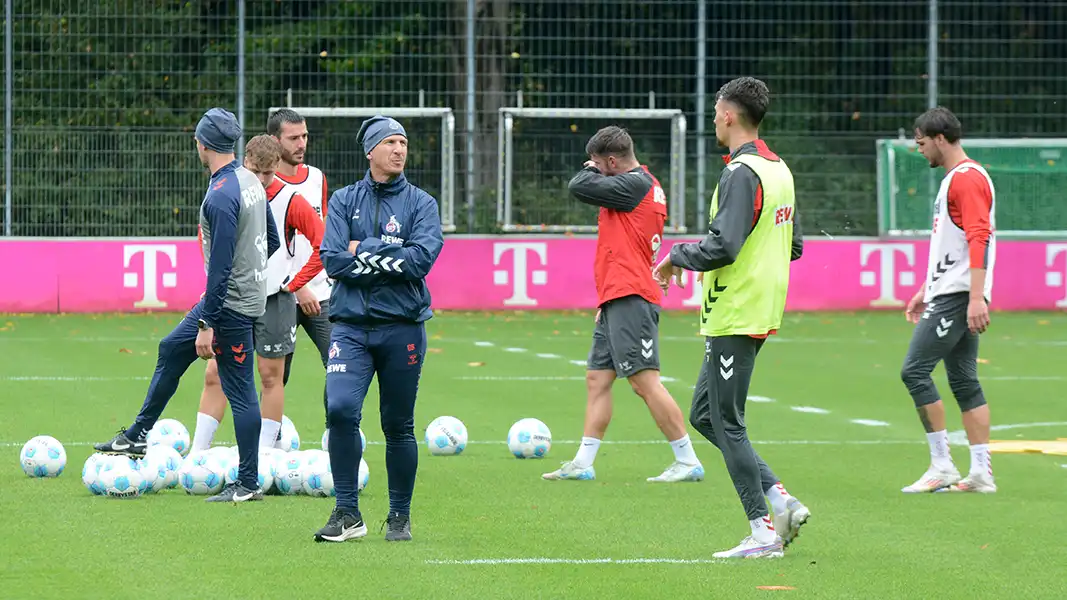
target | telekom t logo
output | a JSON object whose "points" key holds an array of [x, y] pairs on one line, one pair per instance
{"points": [[885, 275], [518, 272], [149, 271], [1056, 279]]}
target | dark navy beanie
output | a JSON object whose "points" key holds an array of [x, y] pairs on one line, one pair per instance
{"points": [[218, 130], [376, 129]]}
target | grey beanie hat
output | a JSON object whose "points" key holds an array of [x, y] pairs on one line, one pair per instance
{"points": [[376, 129], [218, 130]]}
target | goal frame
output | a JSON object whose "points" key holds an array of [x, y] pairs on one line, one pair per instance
{"points": [[505, 140], [448, 142], [887, 187]]}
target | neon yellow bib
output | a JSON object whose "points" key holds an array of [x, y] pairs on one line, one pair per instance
{"points": [[748, 297]]}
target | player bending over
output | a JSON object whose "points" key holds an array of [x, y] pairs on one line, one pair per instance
{"points": [[952, 309], [633, 209], [237, 236], [382, 237], [274, 333], [745, 260]]}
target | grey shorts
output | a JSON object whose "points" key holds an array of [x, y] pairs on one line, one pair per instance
{"points": [[626, 337], [275, 332]]}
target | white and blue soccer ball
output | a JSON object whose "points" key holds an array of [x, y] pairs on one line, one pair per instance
{"points": [[326, 440], [43, 456], [288, 439], [265, 465], [317, 477], [364, 476], [288, 477], [169, 432], [529, 438], [201, 474], [160, 467], [446, 436], [91, 472], [120, 478]]}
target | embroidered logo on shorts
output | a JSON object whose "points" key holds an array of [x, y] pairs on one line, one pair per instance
{"points": [[335, 350]]}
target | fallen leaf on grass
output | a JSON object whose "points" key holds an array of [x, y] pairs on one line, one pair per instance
{"points": [[435, 336], [476, 364], [1043, 322], [984, 546], [125, 351], [555, 332], [434, 350], [9, 324], [775, 588], [983, 361]]}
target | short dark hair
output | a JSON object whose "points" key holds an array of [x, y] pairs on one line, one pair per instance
{"points": [[612, 140], [750, 95], [280, 117], [939, 121]]}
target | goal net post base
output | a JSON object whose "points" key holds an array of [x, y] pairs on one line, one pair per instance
{"points": [[446, 195], [676, 199]]}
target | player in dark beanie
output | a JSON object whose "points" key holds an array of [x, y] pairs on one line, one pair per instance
{"points": [[237, 235], [382, 237]]}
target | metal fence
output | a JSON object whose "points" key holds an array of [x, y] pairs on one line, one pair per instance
{"points": [[101, 96]]}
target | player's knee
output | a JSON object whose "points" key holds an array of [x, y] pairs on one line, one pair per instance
{"points": [[271, 372], [645, 384], [968, 392], [598, 381], [398, 428], [211, 375]]}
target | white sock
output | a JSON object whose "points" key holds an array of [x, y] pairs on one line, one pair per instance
{"points": [[268, 433], [683, 451], [586, 452], [981, 463], [205, 432], [762, 530], [939, 454], [779, 498]]}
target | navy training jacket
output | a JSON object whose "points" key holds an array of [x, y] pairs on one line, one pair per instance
{"points": [[398, 227]]}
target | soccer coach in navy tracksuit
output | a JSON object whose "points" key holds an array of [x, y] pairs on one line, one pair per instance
{"points": [[382, 237]]}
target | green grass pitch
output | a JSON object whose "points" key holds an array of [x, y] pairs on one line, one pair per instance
{"points": [[79, 378]]}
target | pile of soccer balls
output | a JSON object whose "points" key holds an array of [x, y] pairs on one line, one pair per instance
{"points": [[283, 469]]}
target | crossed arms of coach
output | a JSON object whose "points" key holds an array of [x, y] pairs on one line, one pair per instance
{"points": [[353, 251]]}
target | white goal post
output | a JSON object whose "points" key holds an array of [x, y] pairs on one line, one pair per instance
{"points": [[675, 193], [448, 138]]}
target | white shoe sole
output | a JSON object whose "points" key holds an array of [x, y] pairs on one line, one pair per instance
{"points": [[797, 519], [346, 534], [764, 554], [945, 483]]}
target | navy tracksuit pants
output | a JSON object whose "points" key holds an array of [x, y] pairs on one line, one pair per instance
{"points": [[234, 355], [394, 351]]}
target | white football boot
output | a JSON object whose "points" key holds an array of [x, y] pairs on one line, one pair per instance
{"points": [[680, 471], [750, 548], [975, 483], [571, 472], [933, 479], [788, 523]]}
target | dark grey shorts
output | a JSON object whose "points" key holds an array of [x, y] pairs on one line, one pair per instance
{"points": [[626, 337], [942, 335], [275, 332]]}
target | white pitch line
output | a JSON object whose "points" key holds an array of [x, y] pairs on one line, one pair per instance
{"points": [[1021, 378], [580, 363], [519, 378], [580, 561], [960, 437], [482, 344], [79, 378], [548, 355], [570, 442], [760, 399], [870, 422], [810, 409], [516, 350]]}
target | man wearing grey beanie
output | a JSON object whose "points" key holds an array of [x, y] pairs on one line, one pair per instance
{"points": [[237, 236], [382, 237]]}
